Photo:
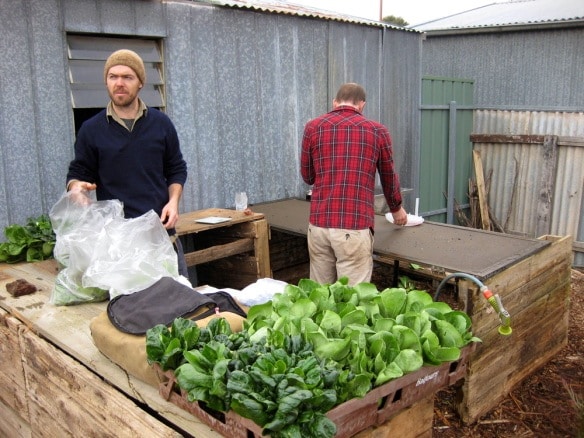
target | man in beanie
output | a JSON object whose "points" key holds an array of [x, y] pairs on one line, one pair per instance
{"points": [[131, 152], [342, 152]]}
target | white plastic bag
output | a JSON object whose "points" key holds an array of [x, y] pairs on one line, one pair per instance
{"points": [[103, 254], [262, 291], [77, 220], [131, 255]]}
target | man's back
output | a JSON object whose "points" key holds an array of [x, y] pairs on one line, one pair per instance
{"points": [[341, 153]]}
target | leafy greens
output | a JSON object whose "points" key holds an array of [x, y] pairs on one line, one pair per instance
{"points": [[31, 242], [278, 383], [308, 350]]}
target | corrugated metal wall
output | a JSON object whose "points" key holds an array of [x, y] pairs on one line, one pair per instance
{"points": [[517, 167], [527, 82], [534, 70], [240, 86]]}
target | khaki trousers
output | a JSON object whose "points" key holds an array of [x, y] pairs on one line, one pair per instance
{"points": [[336, 253]]}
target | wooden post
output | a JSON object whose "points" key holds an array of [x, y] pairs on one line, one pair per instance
{"points": [[262, 248], [548, 176], [484, 207]]}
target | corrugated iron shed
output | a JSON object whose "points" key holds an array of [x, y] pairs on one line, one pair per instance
{"points": [[510, 16], [525, 58], [241, 81]]}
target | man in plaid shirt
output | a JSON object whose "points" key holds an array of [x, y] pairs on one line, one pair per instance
{"points": [[341, 153]]}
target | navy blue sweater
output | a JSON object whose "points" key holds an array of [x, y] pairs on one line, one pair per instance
{"points": [[135, 167]]}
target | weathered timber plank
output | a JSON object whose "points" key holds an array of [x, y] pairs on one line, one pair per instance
{"points": [[522, 349], [41, 274], [520, 284], [219, 251], [555, 282], [539, 333], [511, 359], [557, 277], [547, 176], [187, 221], [535, 291], [412, 422], [12, 425], [239, 270], [12, 383], [240, 262], [483, 205], [65, 398], [504, 138], [505, 367], [526, 344], [571, 141], [228, 231], [232, 266], [67, 327], [262, 249], [517, 275]]}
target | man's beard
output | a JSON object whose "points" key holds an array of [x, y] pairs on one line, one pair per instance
{"points": [[124, 100]]}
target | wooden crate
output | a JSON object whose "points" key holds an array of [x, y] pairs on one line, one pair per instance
{"points": [[44, 392], [414, 421], [231, 254], [536, 293], [376, 413], [13, 403]]}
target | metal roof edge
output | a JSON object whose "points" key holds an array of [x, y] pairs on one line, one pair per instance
{"points": [[289, 8], [505, 28], [417, 25]]}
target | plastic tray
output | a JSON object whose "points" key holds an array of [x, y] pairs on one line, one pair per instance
{"points": [[351, 417]]}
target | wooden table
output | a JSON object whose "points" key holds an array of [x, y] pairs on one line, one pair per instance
{"points": [[532, 277], [55, 382], [216, 242], [447, 247]]}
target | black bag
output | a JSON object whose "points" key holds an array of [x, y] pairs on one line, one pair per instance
{"points": [[163, 302]]}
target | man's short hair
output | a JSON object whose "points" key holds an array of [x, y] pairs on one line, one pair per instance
{"points": [[351, 92]]}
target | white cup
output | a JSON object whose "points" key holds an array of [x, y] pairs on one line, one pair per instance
{"points": [[240, 201]]}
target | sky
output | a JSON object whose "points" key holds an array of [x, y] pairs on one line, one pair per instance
{"points": [[413, 11]]}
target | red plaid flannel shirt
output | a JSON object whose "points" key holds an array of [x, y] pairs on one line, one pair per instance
{"points": [[341, 152]]}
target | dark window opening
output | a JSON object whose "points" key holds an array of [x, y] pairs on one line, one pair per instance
{"points": [[82, 114]]}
